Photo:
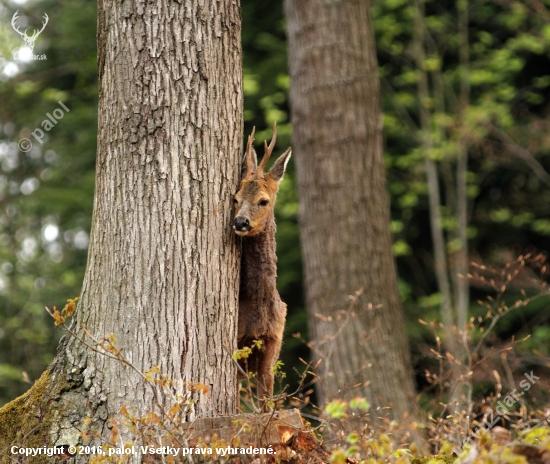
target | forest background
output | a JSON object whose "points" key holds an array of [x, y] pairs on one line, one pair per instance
{"points": [[46, 193]]}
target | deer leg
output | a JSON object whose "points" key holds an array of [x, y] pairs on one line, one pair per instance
{"points": [[243, 367], [272, 348], [238, 396]]}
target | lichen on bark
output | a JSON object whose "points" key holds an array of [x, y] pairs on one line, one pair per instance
{"points": [[51, 412], [26, 421]]}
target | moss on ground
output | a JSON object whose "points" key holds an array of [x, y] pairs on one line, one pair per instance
{"points": [[25, 421], [446, 458]]}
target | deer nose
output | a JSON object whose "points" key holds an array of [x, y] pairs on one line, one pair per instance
{"points": [[241, 224]]}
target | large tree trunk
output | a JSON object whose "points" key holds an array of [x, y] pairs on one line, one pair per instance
{"points": [[344, 206], [162, 272]]}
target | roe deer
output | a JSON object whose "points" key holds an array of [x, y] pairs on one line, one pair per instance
{"points": [[261, 310]]}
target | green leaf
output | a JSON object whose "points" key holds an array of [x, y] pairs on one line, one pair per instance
{"points": [[360, 403], [337, 409]]}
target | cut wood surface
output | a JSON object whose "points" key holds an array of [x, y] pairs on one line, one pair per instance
{"points": [[284, 431], [254, 429]]}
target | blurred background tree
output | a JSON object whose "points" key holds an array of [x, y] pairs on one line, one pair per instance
{"points": [[46, 194], [344, 208]]}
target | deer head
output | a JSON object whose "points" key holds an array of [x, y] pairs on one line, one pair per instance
{"points": [[255, 199], [29, 40]]}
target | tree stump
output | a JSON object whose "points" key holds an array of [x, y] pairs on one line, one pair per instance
{"points": [[283, 432]]}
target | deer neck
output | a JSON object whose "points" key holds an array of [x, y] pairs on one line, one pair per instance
{"points": [[259, 260]]}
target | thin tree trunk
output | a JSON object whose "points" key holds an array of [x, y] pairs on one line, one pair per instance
{"points": [[463, 390], [434, 197], [162, 272], [456, 200], [344, 205], [462, 288]]}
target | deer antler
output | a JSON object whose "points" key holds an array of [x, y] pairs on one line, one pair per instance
{"points": [[13, 20], [28, 40], [43, 25], [249, 163], [268, 149]]}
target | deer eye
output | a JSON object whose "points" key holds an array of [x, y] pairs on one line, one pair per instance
{"points": [[263, 203], [235, 201]]}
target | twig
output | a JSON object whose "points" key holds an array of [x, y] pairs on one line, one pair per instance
{"points": [[524, 154]]}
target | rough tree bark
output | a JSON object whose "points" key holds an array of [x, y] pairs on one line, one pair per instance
{"points": [[344, 206], [162, 272]]}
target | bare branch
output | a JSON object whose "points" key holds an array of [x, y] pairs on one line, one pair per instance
{"points": [[522, 153]]}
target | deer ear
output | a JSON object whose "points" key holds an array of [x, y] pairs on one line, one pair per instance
{"points": [[249, 167], [278, 169]]}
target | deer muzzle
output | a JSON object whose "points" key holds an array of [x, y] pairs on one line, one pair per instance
{"points": [[241, 225]]}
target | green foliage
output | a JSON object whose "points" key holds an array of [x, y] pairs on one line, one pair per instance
{"points": [[536, 436], [246, 351], [359, 403], [46, 193], [507, 77], [501, 122], [381, 446], [277, 369], [337, 409], [433, 460]]}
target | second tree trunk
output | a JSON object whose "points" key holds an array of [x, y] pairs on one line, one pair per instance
{"points": [[344, 206]]}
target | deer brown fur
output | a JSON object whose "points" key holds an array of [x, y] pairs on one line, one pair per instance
{"points": [[261, 311]]}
